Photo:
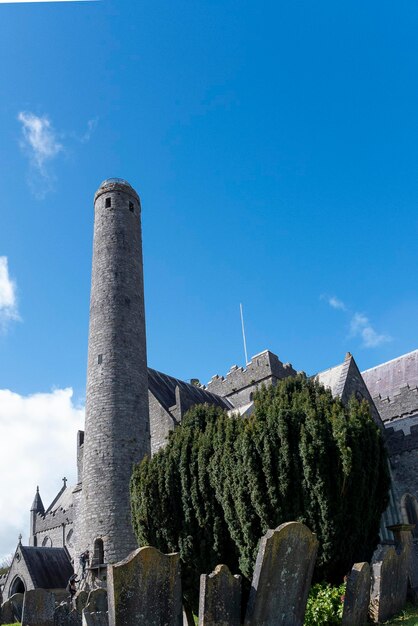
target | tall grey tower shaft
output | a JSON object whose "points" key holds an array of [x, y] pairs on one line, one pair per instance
{"points": [[117, 420]]}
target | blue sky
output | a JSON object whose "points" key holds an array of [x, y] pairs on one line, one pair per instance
{"points": [[274, 147]]}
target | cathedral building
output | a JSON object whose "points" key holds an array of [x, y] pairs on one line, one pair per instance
{"points": [[131, 409]]}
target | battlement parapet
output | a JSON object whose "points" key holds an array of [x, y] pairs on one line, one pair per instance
{"points": [[262, 366], [398, 443], [52, 519]]}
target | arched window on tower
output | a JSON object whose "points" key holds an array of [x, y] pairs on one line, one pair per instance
{"points": [[98, 553]]}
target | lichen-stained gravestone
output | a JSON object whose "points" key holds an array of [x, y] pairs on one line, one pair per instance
{"points": [[389, 582], [97, 601], [7, 613], [357, 596], [145, 589], [404, 539], [282, 576], [80, 600], [12, 609], [220, 598], [65, 615], [38, 608]]}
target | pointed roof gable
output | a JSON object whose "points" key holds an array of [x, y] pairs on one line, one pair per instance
{"points": [[344, 381]]}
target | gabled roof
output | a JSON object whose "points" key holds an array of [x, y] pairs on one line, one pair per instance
{"points": [[345, 380], [163, 387], [333, 378], [63, 500], [49, 568], [387, 379]]}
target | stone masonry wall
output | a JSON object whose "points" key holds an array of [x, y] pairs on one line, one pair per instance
{"points": [[117, 424], [240, 383], [161, 424]]}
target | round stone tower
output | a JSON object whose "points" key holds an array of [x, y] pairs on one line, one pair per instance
{"points": [[117, 420]]}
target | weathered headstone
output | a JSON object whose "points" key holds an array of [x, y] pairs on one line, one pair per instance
{"points": [[66, 615], [402, 534], [282, 576], [389, 582], [17, 603], [145, 589], [357, 596], [38, 608], [97, 601], [80, 600], [220, 598], [95, 618], [7, 613]]}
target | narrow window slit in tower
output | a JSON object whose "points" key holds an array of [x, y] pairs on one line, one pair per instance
{"points": [[131, 207], [100, 359], [108, 203]]}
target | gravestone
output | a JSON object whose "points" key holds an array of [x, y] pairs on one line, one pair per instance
{"points": [[95, 618], [402, 534], [145, 589], [80, 600], [357, 596], [97, 601], [38, 608], [7, 613], [389, 582], [282, 576], [220, 598], [16, 601], [65, 615]]}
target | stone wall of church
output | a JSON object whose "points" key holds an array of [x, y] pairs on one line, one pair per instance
{"points": [[161, 424], [405, 474]]}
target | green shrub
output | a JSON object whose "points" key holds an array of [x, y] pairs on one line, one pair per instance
{"points": [[325, 605], [221, 483]]}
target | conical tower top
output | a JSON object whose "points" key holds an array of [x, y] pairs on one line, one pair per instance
{"points": [[37, 504]]}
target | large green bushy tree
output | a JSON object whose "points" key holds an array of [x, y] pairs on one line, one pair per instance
{"points": [[221, 482]]}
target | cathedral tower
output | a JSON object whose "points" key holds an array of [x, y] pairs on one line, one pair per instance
{"points": [[117, 421]]}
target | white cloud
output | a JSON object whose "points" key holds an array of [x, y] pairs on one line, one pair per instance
{"points": [[42, 146], [91, 127], [360, 326], [37, 447], [8, 300], [336, 303]]}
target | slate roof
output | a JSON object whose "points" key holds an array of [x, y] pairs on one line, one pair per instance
{"points": [[386, 379], [333, 378], [394, 386], [49, 568], [64, 500], [163, 387]]}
